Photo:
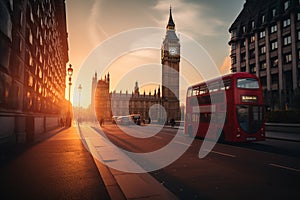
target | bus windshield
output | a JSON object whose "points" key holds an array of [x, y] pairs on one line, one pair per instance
{"points": [[247, 83]]}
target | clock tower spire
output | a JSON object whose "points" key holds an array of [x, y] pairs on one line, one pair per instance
{"points": [[170, 58]]}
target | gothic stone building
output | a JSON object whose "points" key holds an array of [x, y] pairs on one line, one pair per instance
{"points": [[33, 57], [108, 104], [265, 40]]}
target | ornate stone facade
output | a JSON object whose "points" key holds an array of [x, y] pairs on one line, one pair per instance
{"points": [[108, 104], [33, 57]]}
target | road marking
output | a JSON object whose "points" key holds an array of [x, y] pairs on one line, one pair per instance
{"points": [[183, 143], [221, 153], [284, 167]]}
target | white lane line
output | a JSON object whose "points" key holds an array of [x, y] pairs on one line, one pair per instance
{"points": [[221, 153], [183, 143], [284, 167]]}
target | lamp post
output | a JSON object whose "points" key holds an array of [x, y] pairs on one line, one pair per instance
{"points": [[70, 73]]}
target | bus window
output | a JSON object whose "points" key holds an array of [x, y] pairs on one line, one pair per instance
{"points": [[203, 90], [250, 118], [195, 91], [247, 83], [243, 117], [205, 117], [190, 92], [195, 117]]}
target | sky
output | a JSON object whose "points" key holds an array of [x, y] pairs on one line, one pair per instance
{"points": [[95, 24]]}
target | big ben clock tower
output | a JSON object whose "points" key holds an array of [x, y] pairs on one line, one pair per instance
{"points": [[170, 58]]}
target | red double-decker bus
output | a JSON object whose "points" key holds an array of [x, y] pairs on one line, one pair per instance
{"points": [[231, 106]]}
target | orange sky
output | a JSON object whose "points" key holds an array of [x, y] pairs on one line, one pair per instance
{"points": [[92, 22]]}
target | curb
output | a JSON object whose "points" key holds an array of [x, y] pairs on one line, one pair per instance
{"points": [[283, 139], [125, 185], [112, 186]]}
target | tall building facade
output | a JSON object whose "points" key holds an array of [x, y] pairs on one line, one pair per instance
{"points": [[102, 99], [265, 40], [94, 86], [33, 57], [170, 59]]}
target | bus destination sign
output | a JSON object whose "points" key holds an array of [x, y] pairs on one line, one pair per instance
{"points": [[251, 99]]}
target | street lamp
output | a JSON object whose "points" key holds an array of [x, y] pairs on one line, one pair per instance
{"points": [[70, 73]]}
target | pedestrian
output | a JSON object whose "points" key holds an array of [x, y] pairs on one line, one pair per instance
{"points": [[172, 122], [101, 122]]}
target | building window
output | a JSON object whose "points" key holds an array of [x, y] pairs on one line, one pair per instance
{"points": [[233, 33], [243, 56], [286, 5], [31, 15], [263, 49], [263, 66], [299, 35], [298, 16], [21, 19], [233, 60], [263, 81], [287, 40], [274, 62], [243, 43], [244, 29], [252, 38], [30, 37], [274, 12], [274, 45], [252, 69], [286, 22], [30, 60], [288, 58], [273, 29], [252, 24], [263, 19], [233, 46], [274, 79], [262, 34], [252, 53], [299, 54]]}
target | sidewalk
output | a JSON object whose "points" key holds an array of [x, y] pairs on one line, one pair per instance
{"points": [[56, 168], [294, 137]]}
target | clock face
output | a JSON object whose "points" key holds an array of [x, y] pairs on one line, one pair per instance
{"points": [[173, 50]]}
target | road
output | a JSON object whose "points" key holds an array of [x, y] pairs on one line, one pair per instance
{"points": [[260, 170]]}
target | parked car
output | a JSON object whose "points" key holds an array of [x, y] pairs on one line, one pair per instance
{"points": [[123, 120]]}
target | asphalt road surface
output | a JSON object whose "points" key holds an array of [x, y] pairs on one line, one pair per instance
{"points": [[258, 170]]}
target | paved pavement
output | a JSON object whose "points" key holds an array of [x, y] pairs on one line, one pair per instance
{"points": [[295, 137], [56, 168]]}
